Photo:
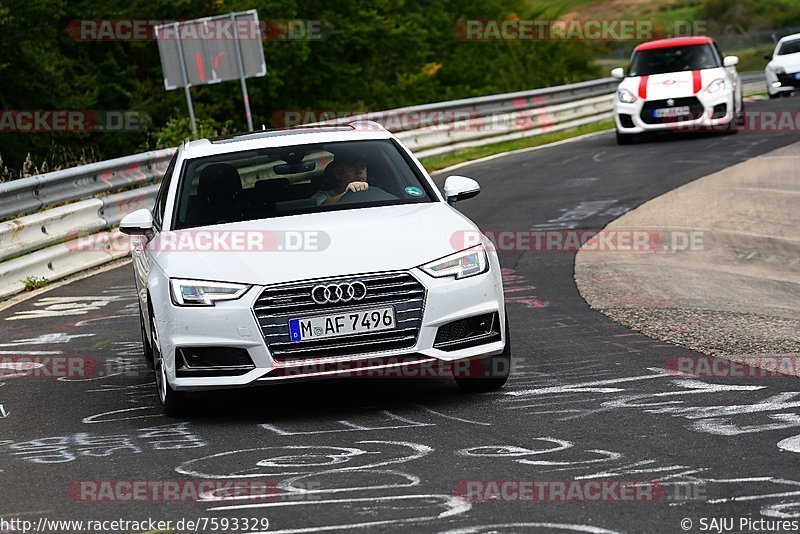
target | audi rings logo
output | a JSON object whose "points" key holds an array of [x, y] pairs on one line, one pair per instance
{"points": [[344, 292]]}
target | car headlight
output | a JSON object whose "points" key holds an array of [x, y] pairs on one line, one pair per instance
{"points": [[716, 86], [779, 70], [199, 293], [626, 96], [469, 262]]}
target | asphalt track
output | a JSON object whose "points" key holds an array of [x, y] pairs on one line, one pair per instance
{"points": [[588, 399]]}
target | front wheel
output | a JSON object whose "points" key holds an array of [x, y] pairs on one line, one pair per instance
{"points": [[173, 403], [624, 139], [493, 374], [147, 348]]}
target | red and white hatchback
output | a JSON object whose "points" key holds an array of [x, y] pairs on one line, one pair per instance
{"points": [[681, 83]]}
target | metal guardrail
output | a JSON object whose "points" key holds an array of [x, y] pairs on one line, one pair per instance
{"points": [[37, 192], [65, 239]]}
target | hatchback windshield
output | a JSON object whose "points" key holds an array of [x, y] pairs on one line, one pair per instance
{"points": [[676, 59], [275, 182], [789, 47]]}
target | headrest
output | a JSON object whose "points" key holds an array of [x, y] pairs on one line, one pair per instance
{"points": [[328, 180], [219, 180]]}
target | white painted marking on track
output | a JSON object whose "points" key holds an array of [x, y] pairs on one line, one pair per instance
{"points": [[459, 419], [94, 418]]}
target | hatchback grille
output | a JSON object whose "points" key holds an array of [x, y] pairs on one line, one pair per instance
{"points": [[278, 304], [695, 110]]}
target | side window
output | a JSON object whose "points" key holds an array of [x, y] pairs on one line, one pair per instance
{"points": [[161, 198]]}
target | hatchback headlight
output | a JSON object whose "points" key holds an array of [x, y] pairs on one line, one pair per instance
{"points": [[199, 293], [626, 96], [779, 70], [716, 86], [464, 264]]}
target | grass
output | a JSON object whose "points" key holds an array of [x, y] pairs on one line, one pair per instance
{"points": [[752, 59], [32, 283], [434, 163]]}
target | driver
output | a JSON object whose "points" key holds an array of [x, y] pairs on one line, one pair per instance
{"points": [[702, 59], [350, 177]]}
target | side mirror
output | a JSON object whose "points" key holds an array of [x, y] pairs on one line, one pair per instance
{"points": [[460, 188], [140, 222], [730, 61], [768, 56], [618, 73]]}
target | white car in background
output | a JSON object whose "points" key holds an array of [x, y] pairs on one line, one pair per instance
{"points": [[683, 83], [783, 69], [389, 281]]}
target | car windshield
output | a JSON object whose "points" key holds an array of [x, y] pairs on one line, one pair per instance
{"points": [[275, 182], [789, 47], [675, 59]]}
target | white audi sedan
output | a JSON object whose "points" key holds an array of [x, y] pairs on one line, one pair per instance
{"points": [[783, 69], [310, 253], [677, 84]]}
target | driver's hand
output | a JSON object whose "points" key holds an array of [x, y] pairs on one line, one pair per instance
{"points": [[357, 186]]}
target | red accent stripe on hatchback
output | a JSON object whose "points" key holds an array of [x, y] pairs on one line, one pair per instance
{"points": [[697, 80], [643, 86]]}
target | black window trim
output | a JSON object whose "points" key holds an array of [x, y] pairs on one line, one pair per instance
{"points": [[163, 191]]}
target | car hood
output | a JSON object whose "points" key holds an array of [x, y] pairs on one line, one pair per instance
{"points": [[671, 84], [789, 62], [361, 240]]}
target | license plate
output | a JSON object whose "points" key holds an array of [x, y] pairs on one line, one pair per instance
{"points": [[341, 324], [671, 112], [797, 75]]}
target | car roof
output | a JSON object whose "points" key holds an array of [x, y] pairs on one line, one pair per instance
{"points": [[673, 42], [789, 37], [283, 137]]}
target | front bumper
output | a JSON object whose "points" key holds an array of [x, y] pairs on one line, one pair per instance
{"points": [[233, 324], [631, 118], [781, 83]]}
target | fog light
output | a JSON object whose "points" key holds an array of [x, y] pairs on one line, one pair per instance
{"points": [[776, 84]]}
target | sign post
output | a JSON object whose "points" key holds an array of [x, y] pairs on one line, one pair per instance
{"points": [[212, 50], [184, 78]]}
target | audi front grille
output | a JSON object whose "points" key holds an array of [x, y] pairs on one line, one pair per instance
{"points": [[278, 304]]}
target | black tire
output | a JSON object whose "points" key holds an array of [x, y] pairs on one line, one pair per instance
{"points": [[147, 349], [738, 120], [173, 403], [625, 139], [493, 372]]}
